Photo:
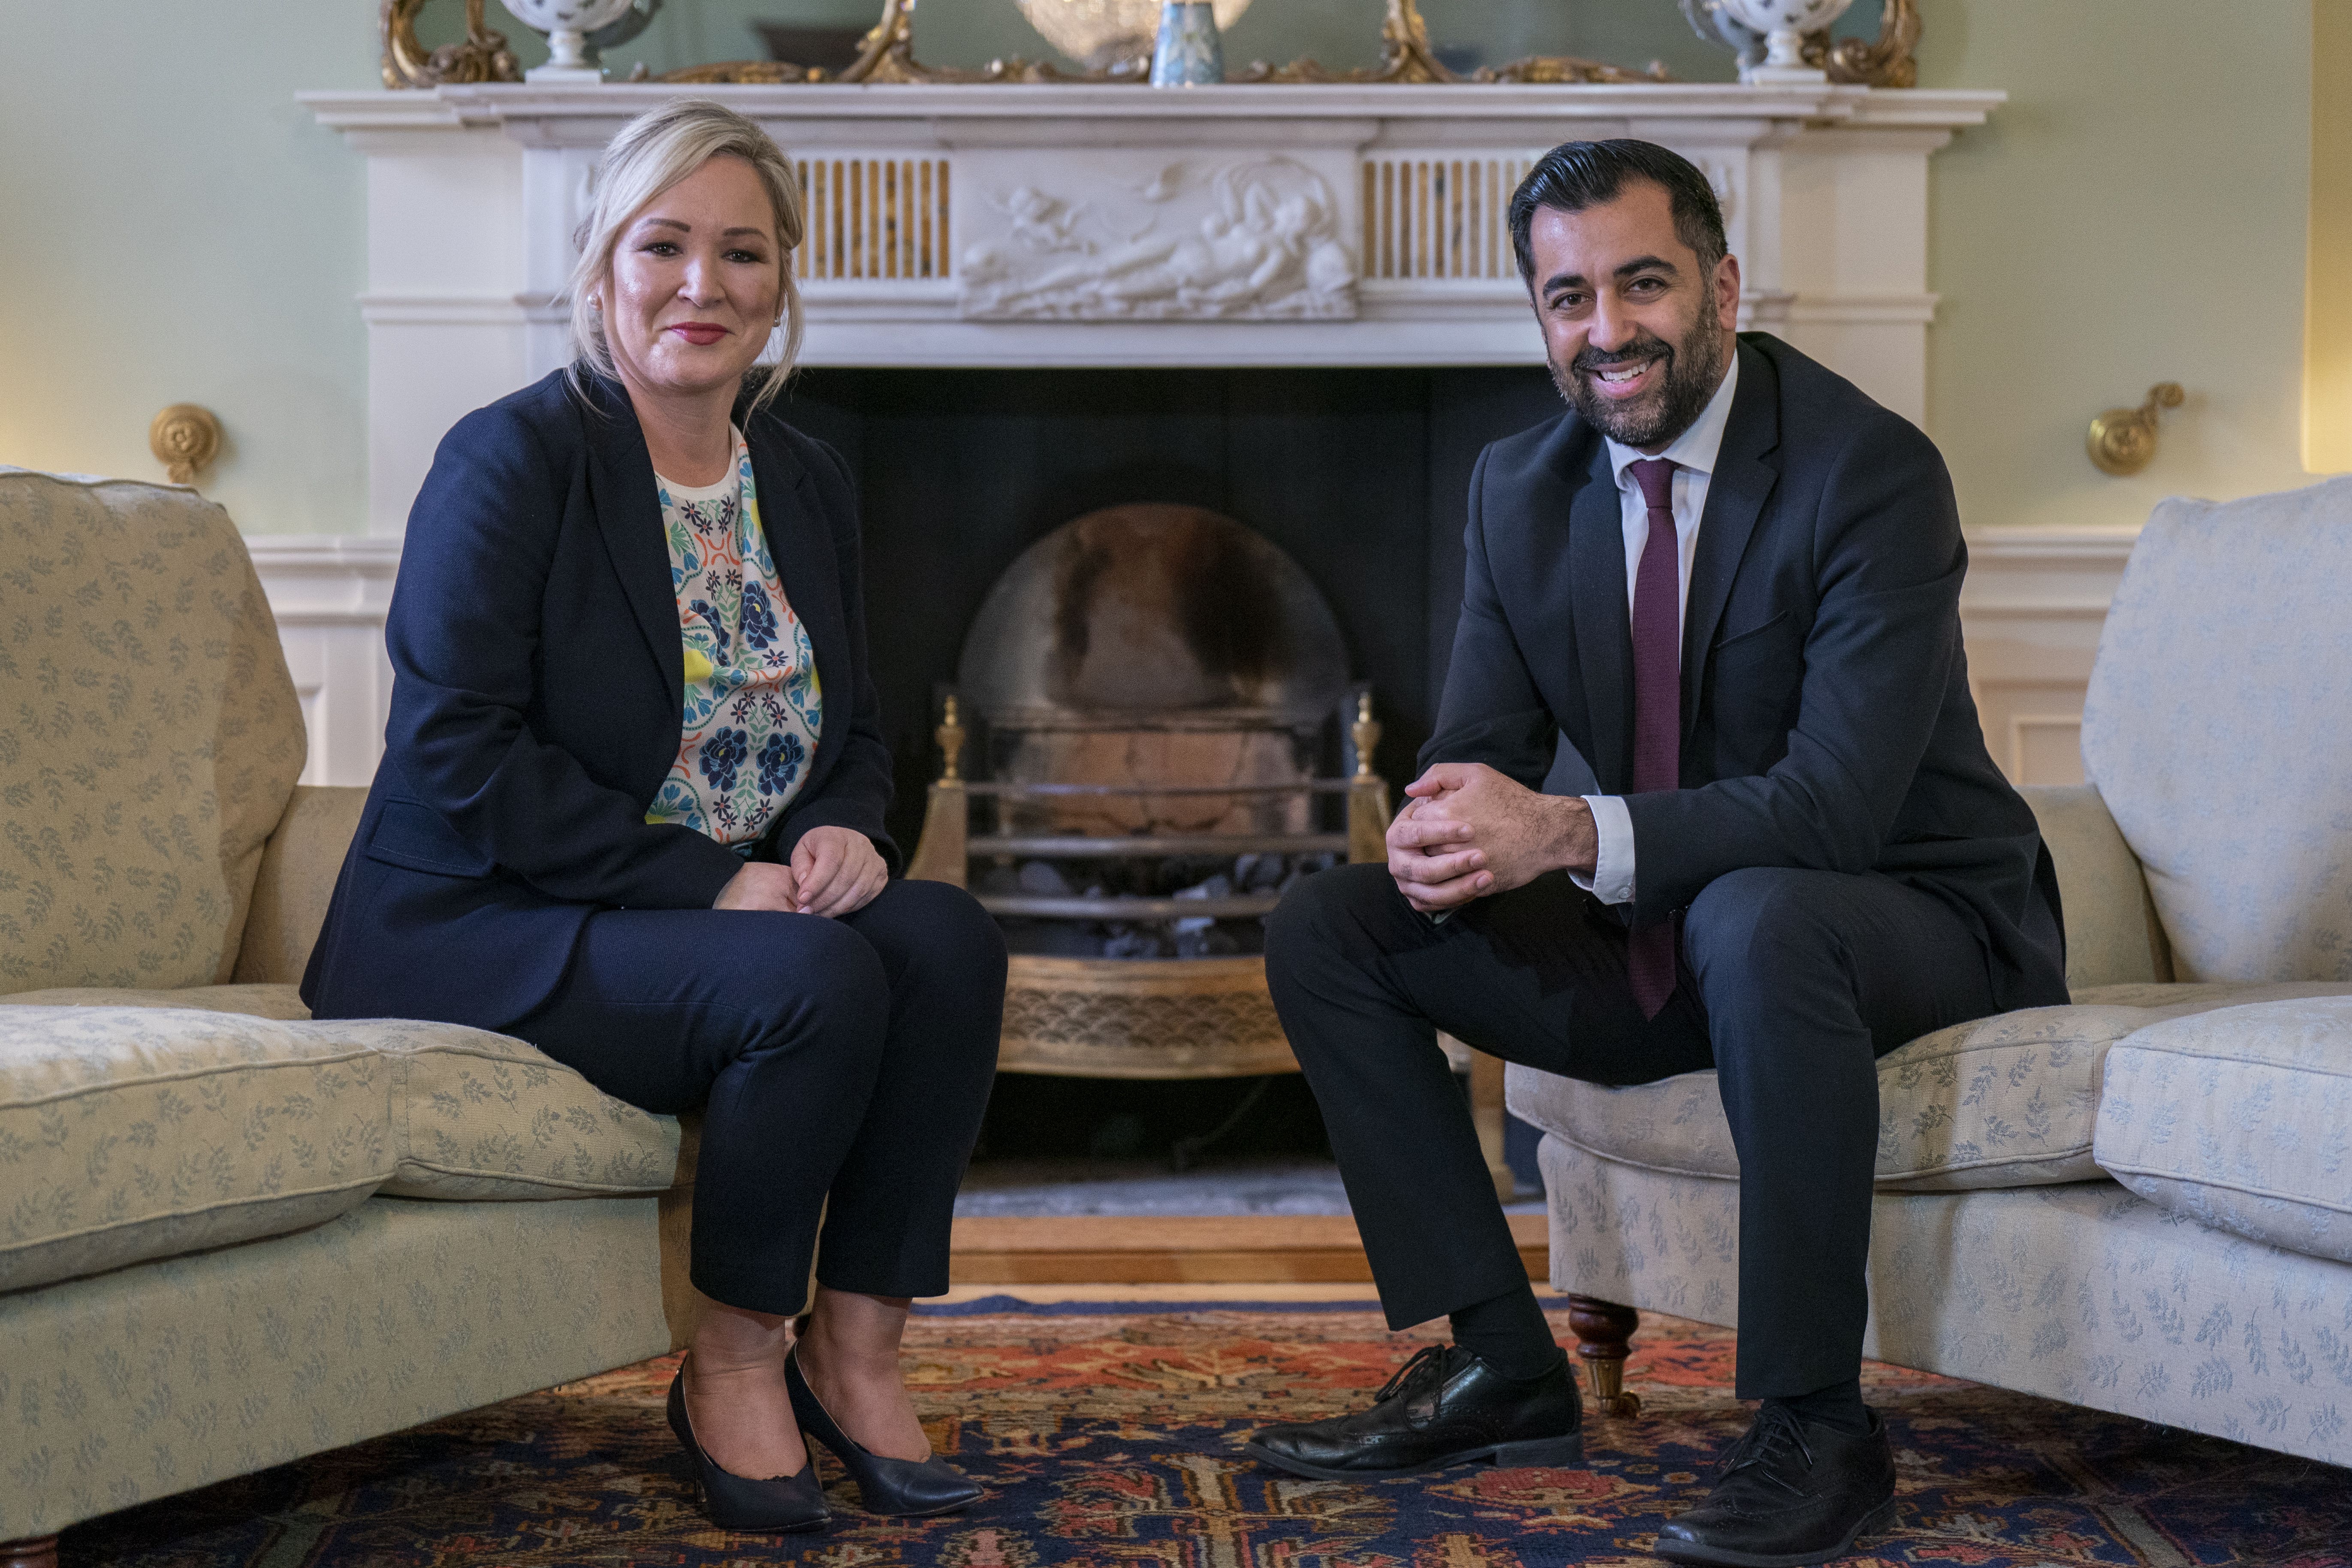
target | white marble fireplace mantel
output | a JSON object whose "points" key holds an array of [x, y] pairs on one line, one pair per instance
{"points": [[1080, 224], [1065, 224]]}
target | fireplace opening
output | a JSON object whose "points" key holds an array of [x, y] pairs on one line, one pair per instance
{"points": [[1162, 606], [1151, 687]]}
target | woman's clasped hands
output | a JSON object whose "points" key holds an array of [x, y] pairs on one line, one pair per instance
{"points": [[834, 871]]}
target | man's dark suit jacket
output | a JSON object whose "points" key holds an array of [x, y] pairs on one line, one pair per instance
{"points": [[1826, 717], [538, 675]]}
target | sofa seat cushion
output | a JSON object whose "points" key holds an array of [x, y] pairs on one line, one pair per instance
{"points": [[473, 1115], [129, 1133], [476, 1115], [2006, 1102], [135, 1133], [2241, 1120], [279, 1001]]}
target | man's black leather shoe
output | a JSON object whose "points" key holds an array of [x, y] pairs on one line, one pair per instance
{"points": [[1789, 1492], [1444, 1406]]}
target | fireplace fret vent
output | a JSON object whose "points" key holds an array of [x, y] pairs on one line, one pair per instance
{"points": [[1440, 218], [871, 219]]}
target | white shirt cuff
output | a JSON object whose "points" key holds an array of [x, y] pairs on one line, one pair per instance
{"points": [[1612, 870]]}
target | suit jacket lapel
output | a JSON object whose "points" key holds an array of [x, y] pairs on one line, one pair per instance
{"points": [[1736, 493], [1604, 630], [628, 513]]}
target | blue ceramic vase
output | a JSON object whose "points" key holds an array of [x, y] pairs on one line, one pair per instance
{"points": [[1189, 52]]}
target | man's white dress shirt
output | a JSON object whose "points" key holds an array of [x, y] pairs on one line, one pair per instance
{"points": [[1693, 454]]}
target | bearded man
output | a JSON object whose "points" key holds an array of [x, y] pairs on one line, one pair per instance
{"points": [[1717, 605]]}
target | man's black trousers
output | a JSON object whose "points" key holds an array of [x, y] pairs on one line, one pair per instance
{"points": [[1792, 984]]}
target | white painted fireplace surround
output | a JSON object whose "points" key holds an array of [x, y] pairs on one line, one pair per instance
{"points": [[1018, 225]]}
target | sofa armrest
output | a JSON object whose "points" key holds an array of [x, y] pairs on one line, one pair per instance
{"points": [[298, 866], [2113, 937]]}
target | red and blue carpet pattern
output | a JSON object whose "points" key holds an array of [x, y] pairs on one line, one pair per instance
{"points": [[1110, 1438]]}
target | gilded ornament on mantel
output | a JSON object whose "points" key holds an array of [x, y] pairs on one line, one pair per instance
{"points": [[1407, 57], [887, 54], [1884, 62], [483, 56]]}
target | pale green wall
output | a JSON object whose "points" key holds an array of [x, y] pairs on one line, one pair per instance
{"points": [[178, 229], [175, 228], [2135, 213]]}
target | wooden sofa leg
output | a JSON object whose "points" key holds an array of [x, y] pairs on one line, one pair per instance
{"points": [[1604, 1332], [33, 1551]]}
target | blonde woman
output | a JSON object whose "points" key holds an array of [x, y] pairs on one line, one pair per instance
{"points": [[631, 810]]}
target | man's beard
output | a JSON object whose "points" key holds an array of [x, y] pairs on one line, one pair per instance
{"points": [[1694, 370]]}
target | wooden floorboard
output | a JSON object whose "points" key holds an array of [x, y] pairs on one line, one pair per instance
{"points": [[1271, 1250]]}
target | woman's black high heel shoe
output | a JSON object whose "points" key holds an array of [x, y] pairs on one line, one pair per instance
{"points": [[784, 1506], [906, 1488]]}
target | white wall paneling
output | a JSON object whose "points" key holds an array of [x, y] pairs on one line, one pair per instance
{"points": [[2032, 607], [330, 593]]}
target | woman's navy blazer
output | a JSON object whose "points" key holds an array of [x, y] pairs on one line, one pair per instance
{"points": [[537, 683]]}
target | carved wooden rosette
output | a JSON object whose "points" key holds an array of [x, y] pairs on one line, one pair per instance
{"points": [[186, 438], [483, 56]]}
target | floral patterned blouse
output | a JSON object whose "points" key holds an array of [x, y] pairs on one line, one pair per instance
{"points": [[753, 707]]}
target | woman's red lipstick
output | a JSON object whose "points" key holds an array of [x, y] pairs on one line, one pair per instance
{"points": [[702, 334]]}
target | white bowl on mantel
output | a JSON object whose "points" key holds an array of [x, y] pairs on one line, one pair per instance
{"points": [[1784, 23], [567, 24]]}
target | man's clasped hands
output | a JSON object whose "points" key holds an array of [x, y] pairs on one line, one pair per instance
{"points": [[1468, 831]]}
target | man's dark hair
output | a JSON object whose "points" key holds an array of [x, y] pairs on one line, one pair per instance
{"points": [[1575, 175]]}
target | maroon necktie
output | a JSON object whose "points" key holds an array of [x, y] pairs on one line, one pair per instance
{"points": [[1657, 707]]}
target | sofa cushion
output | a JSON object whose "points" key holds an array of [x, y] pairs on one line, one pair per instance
{"points": [[2240, 1118], [152, 740], [473, 1115], [2214, 731], [127, 1133], [477, 1115], [131, 1132], [2006, 1102]]}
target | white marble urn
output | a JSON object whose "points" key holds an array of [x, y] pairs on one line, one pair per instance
{"points": [[567, 24], [1784, 23]]}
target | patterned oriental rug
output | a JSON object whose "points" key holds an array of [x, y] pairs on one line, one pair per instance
{"points": [[1110, 1433]]}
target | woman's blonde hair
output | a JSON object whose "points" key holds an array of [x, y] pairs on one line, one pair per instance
{"points": [[650, 154]]}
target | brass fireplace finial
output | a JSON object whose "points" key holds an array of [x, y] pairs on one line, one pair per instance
{"points": [[950, 735], [1368, 793]]}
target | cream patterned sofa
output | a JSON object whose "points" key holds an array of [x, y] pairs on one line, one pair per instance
{"points": [[229, 1236], [2142, 1202]]}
